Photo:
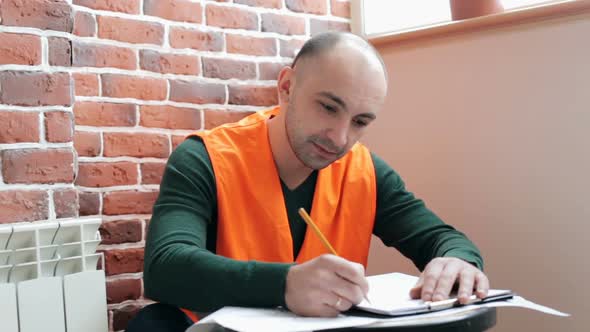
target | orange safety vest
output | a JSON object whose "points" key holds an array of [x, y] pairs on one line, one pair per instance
{"points": [[252, 222]]}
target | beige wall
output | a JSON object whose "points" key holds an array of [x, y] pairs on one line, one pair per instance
{"points": [[492, 129]]}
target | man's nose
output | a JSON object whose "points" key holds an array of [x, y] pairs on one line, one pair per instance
{"points": [[338, 134]]}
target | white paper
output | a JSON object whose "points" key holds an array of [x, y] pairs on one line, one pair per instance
{"points": [[518, 301], [273, 320], [386, 292]]}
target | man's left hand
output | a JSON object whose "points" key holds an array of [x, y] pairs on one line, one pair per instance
{"points": [[440, 276]]}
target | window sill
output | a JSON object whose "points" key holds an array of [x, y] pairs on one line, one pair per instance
{"points": [[511, 17]]}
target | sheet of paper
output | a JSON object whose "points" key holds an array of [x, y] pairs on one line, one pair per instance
{"points": [[389, 291], [275, 320], [519, 301], [457, 312]]}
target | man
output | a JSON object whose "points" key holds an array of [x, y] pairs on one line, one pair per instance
{"points": [[225, 228]]}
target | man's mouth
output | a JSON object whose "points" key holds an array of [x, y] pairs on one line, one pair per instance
{"points": [[323, 150]]}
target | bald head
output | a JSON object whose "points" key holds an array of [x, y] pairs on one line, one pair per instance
{"points": [[331, 94], [328, 42]]}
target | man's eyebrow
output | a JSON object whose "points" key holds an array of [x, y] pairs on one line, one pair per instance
{"points": [[341, 102], [371, 116], [334, 98]]}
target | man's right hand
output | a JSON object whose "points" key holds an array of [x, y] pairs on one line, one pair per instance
{"points": [[325, 286]]}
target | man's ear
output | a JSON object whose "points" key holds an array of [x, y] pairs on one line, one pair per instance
{"points": [[285, 83]]}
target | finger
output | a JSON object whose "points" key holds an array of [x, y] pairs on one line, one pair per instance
{"points": [[353, 272], [328, 310], [416, 291], [466, 282], [344, 288], [483, 285], [431, 275], [341, 303], [446, 281], [328, 307]]}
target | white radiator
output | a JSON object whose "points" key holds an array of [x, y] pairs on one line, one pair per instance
{"points": [[49, 279]]}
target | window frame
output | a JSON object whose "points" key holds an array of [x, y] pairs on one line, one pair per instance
{"points": [[509, 17]]}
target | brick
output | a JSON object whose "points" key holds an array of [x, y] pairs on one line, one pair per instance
{"points": [[129, 202], [340, 8], [122, 316], [290, 48], [18, 127], [170, 117], [251, 45], [283, 24], [20, 49], [319, 7], [42, 14], [23, 205], [131, 31], [119, 261], [66, 203], [270, 70], [35, 88], [95, 55], [196, 39], [176, 140], [123, 86], [125, 6], [227, 68], [136, 145], [86, 143], [175, 10], [151, 173], [253, 95], [107, 174], [59, 127], [318, 26], [120, 290], [197, 92], [38, 166], [84, 24], [60, 51], [120, 231], [85, 84], [261, 3], [181, 64], [89, 203], [231, 17], [214, 118], [104, 114]]}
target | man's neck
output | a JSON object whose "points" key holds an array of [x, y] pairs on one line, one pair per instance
{"points": [[291, 170]]}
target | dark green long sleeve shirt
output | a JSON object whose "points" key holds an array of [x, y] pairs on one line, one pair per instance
{"points": [[181, 267]]}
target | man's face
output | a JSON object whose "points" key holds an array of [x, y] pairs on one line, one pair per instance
{"points": [[334, 99]]}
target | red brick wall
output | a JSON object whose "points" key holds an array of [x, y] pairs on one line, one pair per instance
{"points": [[95, 94]]}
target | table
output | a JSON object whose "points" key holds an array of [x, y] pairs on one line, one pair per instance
{"points": [[478, 320]]}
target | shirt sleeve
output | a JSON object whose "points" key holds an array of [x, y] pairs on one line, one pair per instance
{"points": [[404, 222], [180, 266]]}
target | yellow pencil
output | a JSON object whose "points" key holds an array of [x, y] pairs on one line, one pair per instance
{"points": [[317, 231]]}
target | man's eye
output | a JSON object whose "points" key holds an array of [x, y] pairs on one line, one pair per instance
{"points": [[328, 108], [360, 123]]}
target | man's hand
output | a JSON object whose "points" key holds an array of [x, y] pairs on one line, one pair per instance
{"points": [[325, 286], [441, 274]]}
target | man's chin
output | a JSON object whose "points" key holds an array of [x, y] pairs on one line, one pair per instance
{"points": [[317, 164]]}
